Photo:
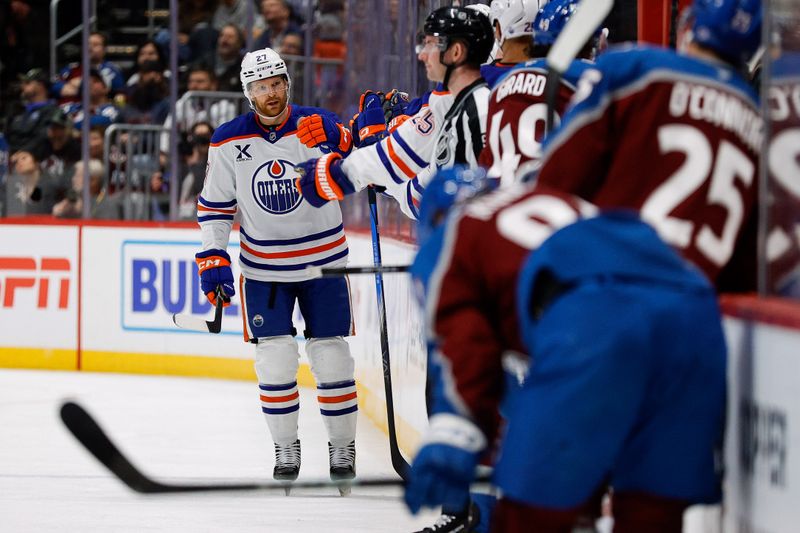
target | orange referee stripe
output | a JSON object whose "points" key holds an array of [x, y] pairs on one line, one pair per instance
{"points": [[336, 399]]}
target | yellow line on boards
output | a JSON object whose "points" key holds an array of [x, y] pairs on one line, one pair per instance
{"points": [[39, 358], [370, 403]]}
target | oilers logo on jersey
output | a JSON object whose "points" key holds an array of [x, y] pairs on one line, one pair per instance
{"points": [[273, 187]]}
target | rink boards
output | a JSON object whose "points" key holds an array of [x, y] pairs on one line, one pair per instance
{"points": [[100, 297]]}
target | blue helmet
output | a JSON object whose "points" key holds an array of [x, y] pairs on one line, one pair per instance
{"points": [[551, 19], [731, 28], [448, 187]]}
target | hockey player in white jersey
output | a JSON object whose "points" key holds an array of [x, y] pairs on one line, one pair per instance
{"points": [[448, 130], [251, 171]]}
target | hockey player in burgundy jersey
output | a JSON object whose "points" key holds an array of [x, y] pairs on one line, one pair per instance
{"points": [[783, 164], [625, 381], [251, 171], [675, 136], [517, 105]]}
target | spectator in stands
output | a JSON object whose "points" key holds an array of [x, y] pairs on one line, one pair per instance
{"points": [[67, 86], [274, 24], [96, 141], [102, 111], [230, 12], [27, 130], [30, 190], [194, 22], [103, 205], [227, 58], [192, 109], [199, 139], [159, 194], [202, 78], [61, 151], [292, 45], [194, 15], [329, 32], [20, 47], [147, 100], [147, 51]]}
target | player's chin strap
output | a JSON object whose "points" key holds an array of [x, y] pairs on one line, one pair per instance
{"points": [[450, 67]]}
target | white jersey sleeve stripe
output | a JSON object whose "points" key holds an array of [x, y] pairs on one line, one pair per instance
{"points": [[421, 163], [387, 164]]}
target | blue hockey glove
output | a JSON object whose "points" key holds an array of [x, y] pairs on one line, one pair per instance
{"points": [[322, 180], [368, 125], [315, 130], [394, 104], [214, 267], [445, 465]]}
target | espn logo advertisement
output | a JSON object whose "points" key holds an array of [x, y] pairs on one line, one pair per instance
{"points": [[38, 286]]}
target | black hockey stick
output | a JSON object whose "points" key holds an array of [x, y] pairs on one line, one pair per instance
{"points": [[398, 462], [194, 323], [579, 28], [84, 427], [325, 272]]}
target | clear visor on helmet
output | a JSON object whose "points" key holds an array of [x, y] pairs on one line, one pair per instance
{"points": [[276, 85], [429, 43]]}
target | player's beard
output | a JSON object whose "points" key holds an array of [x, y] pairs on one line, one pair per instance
{"points": [[272, 106]]}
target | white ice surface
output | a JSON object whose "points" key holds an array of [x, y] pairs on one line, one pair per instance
{"points": [[174, 429]]}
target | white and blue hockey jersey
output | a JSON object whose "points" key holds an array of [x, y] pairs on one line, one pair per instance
{"points": [[251, 170], [447, 131]]}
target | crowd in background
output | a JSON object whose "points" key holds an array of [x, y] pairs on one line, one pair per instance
{"points": [[130, 111]]}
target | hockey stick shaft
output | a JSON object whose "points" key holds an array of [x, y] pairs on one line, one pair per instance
{"points": [[89, 433], [579, 29], [330, 272], [193, 323], [398, 462]]}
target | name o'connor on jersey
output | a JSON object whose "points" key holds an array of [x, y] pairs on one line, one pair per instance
{"points": [[721, 109], [253, 172]]}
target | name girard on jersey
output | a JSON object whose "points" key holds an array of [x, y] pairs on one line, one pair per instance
{"points": [[523, 82]]}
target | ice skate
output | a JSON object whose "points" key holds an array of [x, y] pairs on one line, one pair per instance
{"points": [[455, 523], [287, 463], [343, 465]]}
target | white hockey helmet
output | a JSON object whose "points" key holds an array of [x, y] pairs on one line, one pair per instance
{"points": [[483, 9], [262, 64], [515, 17]]}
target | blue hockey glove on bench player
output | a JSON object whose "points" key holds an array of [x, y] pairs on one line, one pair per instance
{"points": [[324, 131], [445, 466], [369, 125], [322, 180], [214, 267]]}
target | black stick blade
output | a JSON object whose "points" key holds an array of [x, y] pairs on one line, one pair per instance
{"points": [[91, 435]]}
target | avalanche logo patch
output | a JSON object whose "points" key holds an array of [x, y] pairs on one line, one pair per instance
{"points": [[273, 187]]}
